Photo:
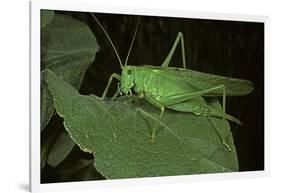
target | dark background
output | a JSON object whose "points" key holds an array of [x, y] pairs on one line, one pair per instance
{"points": [[227, 48]]}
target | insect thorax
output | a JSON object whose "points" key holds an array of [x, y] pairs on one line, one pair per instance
{"points": [[153, 82]]}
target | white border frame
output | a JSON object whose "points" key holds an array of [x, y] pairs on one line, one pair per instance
{"points": [[93, 6]]}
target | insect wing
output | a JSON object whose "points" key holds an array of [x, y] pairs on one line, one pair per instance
{"points": [[194, 80]]}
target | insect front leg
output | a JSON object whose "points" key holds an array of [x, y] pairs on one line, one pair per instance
{"points": [[172, 51], [114, 75]]}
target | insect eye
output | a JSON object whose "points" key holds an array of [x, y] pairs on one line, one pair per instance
{"points": [[129, 72]]}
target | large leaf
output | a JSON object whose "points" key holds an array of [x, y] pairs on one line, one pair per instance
{"points": [[118, 133], [68, 47]]}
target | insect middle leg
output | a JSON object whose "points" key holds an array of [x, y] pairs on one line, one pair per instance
{"points": [[157, 104], [172, 51]]}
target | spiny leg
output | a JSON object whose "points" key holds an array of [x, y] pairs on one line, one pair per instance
{"points": [[153, 134], [157, 125], [177, 99], [114, 75], [116, 92], [172, 51], [154, 129], [224, 115], [157, 104]]}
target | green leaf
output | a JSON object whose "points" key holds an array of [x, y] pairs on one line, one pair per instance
{"points": [[46, 17], [118, 133], [68, 47], [62, 147]]}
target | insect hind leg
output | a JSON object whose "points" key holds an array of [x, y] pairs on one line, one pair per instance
{"points": [[172, 51], [179, 98]]}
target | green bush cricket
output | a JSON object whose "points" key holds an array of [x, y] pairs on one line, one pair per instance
{"points": [[178, 89]]}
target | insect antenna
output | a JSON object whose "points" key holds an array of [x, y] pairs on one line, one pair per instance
{"points": [[109, 39], [132, 42]]}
